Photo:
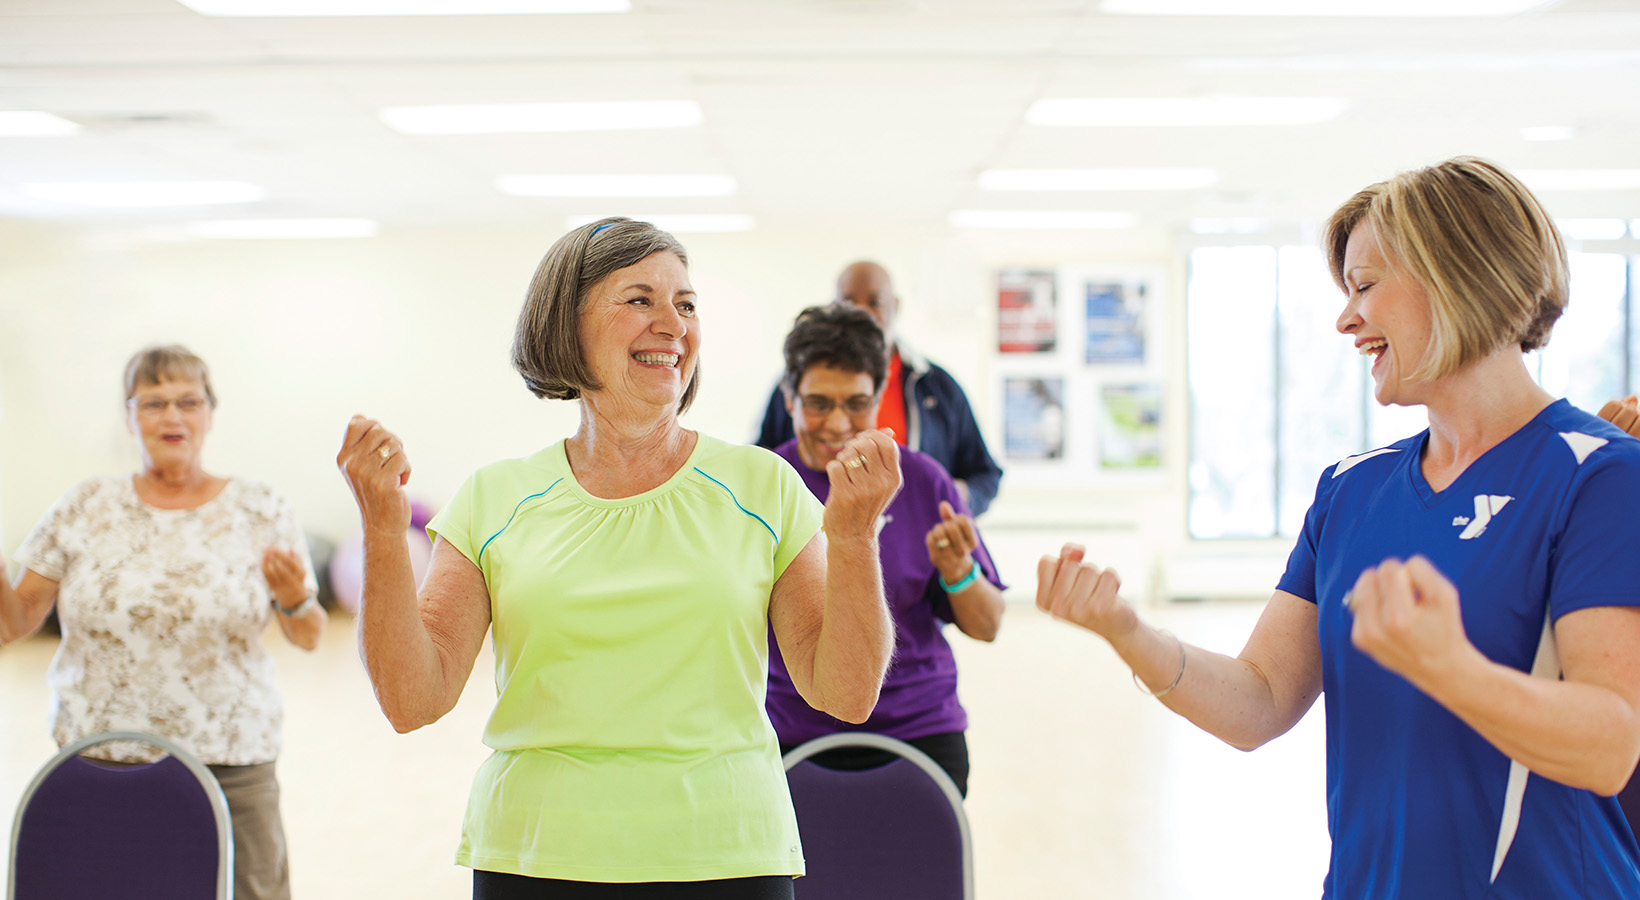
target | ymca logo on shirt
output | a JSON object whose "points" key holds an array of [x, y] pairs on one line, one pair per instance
{"points": [[1486, 506]]}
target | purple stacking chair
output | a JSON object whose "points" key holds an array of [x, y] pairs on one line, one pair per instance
{"points": [[895, 831], [88, 831]]}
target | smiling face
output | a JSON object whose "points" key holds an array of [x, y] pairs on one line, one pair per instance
{"points": [[640, 333], [832, 405], [1388, 315], [171, 420]]}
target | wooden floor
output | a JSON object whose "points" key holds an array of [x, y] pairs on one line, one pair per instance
{"points": [[1081, 786]]}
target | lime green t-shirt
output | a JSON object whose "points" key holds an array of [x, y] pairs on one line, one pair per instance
{"points": [[631, 658]]}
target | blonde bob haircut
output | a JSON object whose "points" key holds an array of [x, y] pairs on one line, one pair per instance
{"points": [[546, 346], [1483, 249], [158, 364]]}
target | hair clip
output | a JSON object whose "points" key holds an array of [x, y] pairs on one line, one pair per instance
{"points": [[601, 228]]}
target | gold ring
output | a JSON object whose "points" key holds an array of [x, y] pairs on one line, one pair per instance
{"points": [[385, 451], [942, 543], [857, 462]]}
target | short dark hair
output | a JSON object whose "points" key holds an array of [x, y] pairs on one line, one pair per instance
{"points": [[546, 346], [839, 336], [160, 363]]}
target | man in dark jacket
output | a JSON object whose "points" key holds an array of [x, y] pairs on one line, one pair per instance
{"points": [[921, 401]]}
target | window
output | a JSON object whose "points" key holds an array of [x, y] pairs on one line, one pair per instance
{"points": [[1277, 395]]}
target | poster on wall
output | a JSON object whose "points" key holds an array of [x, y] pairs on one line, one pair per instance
{"points": [[1026, 311], [1115, 322], [1033, 418], [1130, 427]]}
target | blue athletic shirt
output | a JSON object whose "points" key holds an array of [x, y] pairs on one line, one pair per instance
{"points": [[1419, 805]]}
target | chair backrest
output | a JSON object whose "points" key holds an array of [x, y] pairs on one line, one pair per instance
{"points": [[894, 831], [90, 830]]}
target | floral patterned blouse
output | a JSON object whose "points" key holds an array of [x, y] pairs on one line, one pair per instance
{"points": [[162, 613]]}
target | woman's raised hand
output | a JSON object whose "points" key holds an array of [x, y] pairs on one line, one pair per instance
{"points": [[372, 461], [950, 542], [1082, 593], [1624, 413], [864, 477], [285, 574]]}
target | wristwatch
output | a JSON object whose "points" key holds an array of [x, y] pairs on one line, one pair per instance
{"points": [[300, 609]]}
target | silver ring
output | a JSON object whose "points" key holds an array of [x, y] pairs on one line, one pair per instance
{"points": [[942, 543]]}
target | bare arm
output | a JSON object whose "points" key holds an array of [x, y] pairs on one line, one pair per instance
{"points": [[978, 607], [24, 607], [1583, 731], [1245, 701], [417, 650], [827, 609]]}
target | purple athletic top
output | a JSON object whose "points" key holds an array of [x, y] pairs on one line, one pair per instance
{"points": [[919, 696]]}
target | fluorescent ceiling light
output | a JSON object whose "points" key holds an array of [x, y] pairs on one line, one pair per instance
{"points": [[1142, 112], [146, 193], [29, 123], [281, 229], [1096, 179], [1548, 133], [617, 185], [1042, 219], [402, 7], [520, 118], [683, 223], [1592, 229], [1374, 8], [1237, 225], [1580, 179]]}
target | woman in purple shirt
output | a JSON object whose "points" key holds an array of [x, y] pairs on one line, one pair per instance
{"points": [[935, 568]]}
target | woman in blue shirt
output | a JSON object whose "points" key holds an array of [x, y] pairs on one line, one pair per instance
{"points": [[1466, 598]]}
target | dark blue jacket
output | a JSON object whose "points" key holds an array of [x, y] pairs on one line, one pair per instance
{"points": [[940, 422]]}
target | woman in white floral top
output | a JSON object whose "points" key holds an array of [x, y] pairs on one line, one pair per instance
{"points": [[164, 582]]}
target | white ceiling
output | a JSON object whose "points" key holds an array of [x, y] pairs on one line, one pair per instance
{"points": [[824, 111]]}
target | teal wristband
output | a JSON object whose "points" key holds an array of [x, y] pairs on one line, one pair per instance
{"points": [[968, 579], [300, 609]]}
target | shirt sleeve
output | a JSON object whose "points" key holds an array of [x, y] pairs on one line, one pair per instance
{"points": [[454, 523], [1595, 560], [800, 516], [46, 549], [1299, 579]]}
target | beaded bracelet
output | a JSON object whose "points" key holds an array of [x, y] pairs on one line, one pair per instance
{"points": [[968, 579]]}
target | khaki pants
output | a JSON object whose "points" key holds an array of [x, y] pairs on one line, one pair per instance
{"points": [[260, 869]]}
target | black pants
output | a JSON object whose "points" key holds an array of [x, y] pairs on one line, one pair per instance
{"points": [[504, 886], [949, 750]]}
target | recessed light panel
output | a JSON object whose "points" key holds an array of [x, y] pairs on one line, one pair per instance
{"points": [[1042, 219], [1096, 179], [29, 123], [617, 185], [283, 229], [145, 193], [524, 118], [1145, 112], [1360, 8], [683, 223], [402, 7]]}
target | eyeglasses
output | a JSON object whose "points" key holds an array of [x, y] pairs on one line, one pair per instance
{"points": [[818, 405], [154, 407]]}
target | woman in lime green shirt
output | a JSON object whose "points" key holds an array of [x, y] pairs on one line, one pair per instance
{"points": [[628, 575]]}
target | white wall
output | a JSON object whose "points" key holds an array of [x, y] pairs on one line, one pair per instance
{"points": [[413, 327]]}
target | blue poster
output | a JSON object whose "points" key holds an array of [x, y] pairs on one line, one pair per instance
{"points": [[1116, 331]]}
